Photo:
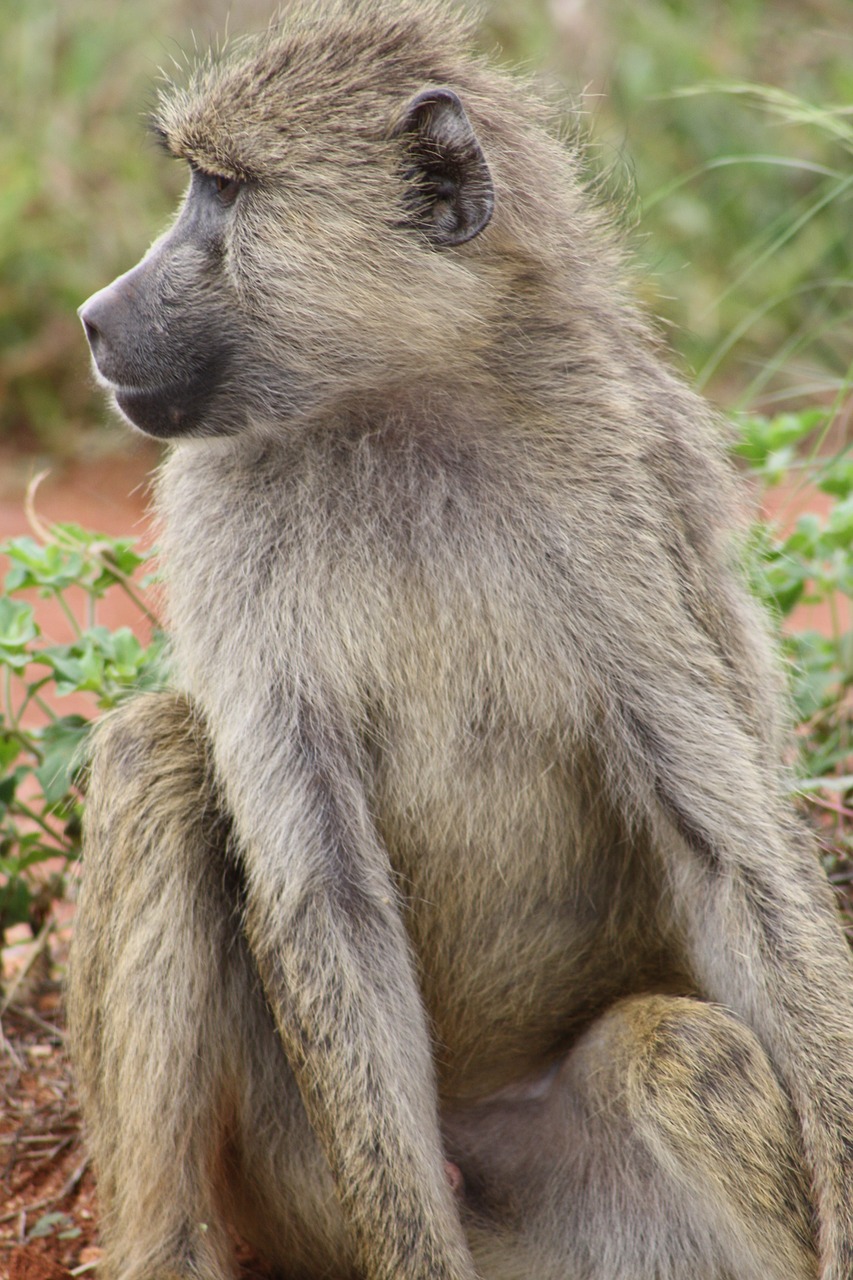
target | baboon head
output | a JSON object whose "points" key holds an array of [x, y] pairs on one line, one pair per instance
{"points": [[326, 239]]}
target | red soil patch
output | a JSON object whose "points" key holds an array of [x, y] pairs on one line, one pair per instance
{"points": [[48, 1210]]}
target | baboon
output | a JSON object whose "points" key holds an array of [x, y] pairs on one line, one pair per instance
{"points": [[448, 917]]}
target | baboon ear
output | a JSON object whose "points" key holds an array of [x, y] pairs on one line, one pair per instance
{"points": [[450, 191]]}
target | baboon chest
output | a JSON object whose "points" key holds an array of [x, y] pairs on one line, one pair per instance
{"points": [[425, 661]]}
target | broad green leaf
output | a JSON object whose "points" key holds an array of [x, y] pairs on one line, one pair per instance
{"points": [[18, 626], [61, 743]]}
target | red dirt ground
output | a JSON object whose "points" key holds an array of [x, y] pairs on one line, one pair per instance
{"points": [[43, 1167]]}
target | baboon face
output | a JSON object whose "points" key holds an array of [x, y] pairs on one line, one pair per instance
{"points": [[294, 274], [166, 337]]}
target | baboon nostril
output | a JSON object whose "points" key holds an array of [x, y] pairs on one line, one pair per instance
{"points": [[93, 333]]}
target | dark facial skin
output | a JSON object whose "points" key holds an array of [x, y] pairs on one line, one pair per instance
{"points": [[168, 364]]}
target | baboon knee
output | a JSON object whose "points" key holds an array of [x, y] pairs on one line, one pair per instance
{"points": [[150, 787], [147, 741], [699, 1093], [670, 1057]]}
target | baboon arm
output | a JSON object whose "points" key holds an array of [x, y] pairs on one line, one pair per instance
{"points": [[756, 915], [325, 929]]}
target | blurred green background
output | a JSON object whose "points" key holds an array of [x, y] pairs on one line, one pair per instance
{"points": [[722, 133]]}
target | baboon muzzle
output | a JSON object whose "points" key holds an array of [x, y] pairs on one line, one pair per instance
{"points": [[161, 362]]}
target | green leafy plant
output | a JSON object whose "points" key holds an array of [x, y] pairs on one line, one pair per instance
{"points": [[811, 564], [59, 1224], [42, 750]]}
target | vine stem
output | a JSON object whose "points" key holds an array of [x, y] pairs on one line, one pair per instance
{"points": [[40, 822], [67, 610]]}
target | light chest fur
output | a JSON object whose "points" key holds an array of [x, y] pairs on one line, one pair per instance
{"points": [[373, 604]]}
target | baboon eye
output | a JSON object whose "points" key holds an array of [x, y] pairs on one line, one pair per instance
{"points": [[227, 189]]}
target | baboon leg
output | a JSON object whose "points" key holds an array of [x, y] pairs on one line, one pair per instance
{"points": [[662, 1148], [193, 1116]]}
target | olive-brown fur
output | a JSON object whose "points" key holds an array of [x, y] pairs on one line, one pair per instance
{"points": [[465, 835]]}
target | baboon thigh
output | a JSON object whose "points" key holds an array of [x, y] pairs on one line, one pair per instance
{"points": [[661, 1146], [192, 1111]]}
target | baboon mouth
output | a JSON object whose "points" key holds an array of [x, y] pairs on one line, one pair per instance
{"points": [[174, 410]]}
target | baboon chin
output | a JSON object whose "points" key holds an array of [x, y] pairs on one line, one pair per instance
{"points": [[448, 917]]}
